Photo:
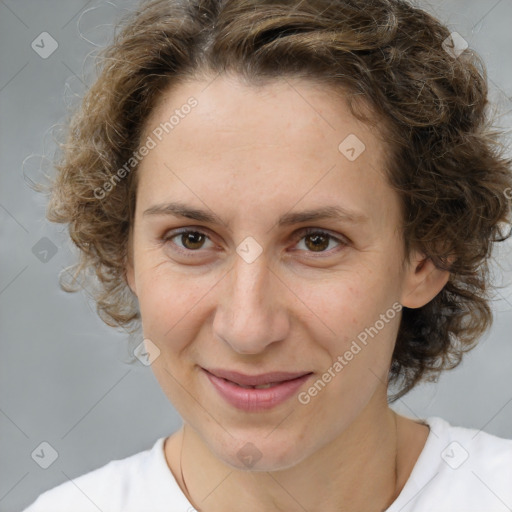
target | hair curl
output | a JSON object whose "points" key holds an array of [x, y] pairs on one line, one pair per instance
{"points": [[445, 159]]}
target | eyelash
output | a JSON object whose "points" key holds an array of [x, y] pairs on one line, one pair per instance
{"points": [[298, 236]]}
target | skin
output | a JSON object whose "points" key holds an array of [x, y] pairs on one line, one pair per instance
{"points": [[250, 155]]}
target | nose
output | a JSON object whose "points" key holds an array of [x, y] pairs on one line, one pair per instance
{"points": [[251, 312]]}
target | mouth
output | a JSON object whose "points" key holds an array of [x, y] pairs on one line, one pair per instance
{"points": [[261, 386], [261, 381], [253, 393]]}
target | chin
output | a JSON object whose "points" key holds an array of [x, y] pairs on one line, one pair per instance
{"points": [[263, 453]]}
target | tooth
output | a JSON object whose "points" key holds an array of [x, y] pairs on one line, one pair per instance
{"points": [[262, 386]]}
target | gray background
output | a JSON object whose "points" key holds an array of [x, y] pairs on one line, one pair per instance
{"points": [[63, 375]]}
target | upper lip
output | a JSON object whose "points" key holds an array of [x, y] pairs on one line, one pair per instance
{"points": [[255, 380]]}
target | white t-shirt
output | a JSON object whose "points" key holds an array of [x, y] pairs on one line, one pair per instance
{"points": [[458, 470]]}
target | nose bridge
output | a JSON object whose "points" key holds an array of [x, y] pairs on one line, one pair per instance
{"points": [[249, 316]]}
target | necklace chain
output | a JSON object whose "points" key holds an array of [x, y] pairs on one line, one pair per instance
{"points": [[181, 466]]}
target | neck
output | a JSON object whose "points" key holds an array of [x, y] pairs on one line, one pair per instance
{"points": [[361, 469]]}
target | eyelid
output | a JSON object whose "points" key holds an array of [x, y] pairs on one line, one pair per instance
{"points": [[308, 231]]}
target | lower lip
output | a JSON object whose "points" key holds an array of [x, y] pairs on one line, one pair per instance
{"points": [[256, 399]]}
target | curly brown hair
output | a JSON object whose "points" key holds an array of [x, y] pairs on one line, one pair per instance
{"points": [[445, 157]]}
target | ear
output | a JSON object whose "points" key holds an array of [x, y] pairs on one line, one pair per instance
{"points": [[423, 281], [129, 267]]}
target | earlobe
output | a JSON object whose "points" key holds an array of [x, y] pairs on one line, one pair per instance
{"points": [[423, 282]]}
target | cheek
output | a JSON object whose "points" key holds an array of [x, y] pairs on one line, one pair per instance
{"points": [[346, 304], [169, 304], [354, 320], [358, 352]]}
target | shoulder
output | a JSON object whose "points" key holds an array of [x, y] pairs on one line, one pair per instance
{"points": [[472, 451], [459, 469], [128, 484]]}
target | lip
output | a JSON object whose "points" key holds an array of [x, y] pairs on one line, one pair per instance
{"points": [[253, 400], [255, 380]]}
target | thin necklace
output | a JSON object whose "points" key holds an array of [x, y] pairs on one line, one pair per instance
{"points": [[181, 467], [189, 497], [396, 457]]}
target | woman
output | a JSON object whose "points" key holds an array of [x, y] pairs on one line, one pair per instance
{"points": [[297, 201]]}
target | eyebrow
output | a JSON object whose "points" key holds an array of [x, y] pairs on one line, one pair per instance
{"points": [[178, 209]]}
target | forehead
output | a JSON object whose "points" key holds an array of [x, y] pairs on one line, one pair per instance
{"points": [[282, 111], [277, 143]]}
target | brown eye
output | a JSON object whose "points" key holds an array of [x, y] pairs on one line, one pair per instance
{"points": [[186, 240], [318, 241]]}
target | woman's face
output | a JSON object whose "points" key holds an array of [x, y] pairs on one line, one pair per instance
{"points": [[249, 289]]}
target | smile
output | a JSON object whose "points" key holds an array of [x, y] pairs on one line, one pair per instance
{"points": [[257, 396]]}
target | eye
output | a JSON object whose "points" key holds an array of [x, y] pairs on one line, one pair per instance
{"points": [[191, 240], [317, 240]]}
